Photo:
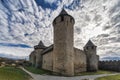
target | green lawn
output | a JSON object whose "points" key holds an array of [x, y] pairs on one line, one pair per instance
{"points": [[37, 71], [11, 73], [95, 73], [113, 77], [41, 71]]}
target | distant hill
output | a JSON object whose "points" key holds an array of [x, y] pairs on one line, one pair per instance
{"points": [[13, 56], [109, 58]]}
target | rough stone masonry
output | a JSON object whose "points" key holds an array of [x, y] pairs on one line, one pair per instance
{"points": [[62, 57]]}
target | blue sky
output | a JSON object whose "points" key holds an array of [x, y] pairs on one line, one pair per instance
{"points": [[15, 45], [52, 4]]}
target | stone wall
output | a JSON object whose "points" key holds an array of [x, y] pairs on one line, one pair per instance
{"points": [[47, 61], [63, 45], [79, 61], [92, 58], [38, 58], [110, 65], [32, 58], [35, 58]]}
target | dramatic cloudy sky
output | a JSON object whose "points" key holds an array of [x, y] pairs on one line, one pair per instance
{"points": [[23, 23]]}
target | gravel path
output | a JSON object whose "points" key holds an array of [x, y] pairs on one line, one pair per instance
{"points": [[49, 77]]}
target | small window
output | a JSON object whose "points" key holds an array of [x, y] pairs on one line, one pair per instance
{"points": [[87, 48], [71, 19], [92, 47], [62, 18], [54, 22]]}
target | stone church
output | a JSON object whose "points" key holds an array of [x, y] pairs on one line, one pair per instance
{"points": [[62, 57]]}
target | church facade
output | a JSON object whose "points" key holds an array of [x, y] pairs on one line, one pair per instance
{"points": [[62, 57]]}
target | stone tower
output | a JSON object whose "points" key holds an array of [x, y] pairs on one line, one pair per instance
{"points": [[32, 58], [38, 48], [63, 53], [92, 58]]}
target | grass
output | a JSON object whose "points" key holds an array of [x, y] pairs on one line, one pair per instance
{"points": [[41, 71], [37, 71], [113, 77], [11, 73], [95, 73]]}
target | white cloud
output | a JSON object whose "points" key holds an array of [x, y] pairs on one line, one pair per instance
{"points": [[31, 24], [50, 1], [15, 51]]}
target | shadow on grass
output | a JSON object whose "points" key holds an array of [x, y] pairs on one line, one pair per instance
{"points": [[37, 71], [42, 71]]}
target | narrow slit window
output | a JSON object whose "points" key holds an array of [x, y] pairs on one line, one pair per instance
{"points": [[62, 18], [54, 22], [87, 48], [71, 19]]}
